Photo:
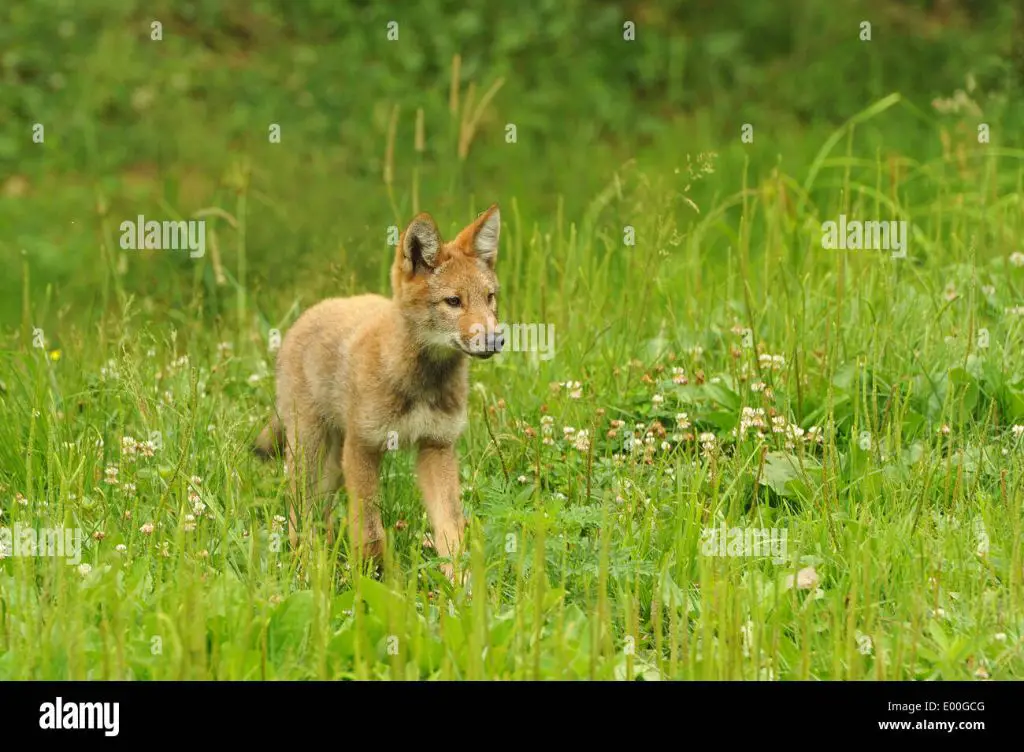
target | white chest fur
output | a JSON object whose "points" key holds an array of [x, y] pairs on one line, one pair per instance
{"points": [[421, 422]]}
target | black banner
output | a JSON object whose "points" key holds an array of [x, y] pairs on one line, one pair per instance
{"points": [[118, 712]]}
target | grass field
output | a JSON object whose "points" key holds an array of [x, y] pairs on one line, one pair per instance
{"points": [[715, 368]]}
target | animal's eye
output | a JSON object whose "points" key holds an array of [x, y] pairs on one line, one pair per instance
{"points": [[490, 298], [453, 301]]}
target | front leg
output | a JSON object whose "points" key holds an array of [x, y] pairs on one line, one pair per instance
{"points": [[437, 470], [361, 467]]}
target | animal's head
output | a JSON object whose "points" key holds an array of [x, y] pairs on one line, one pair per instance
{"points": [[448, 292]]}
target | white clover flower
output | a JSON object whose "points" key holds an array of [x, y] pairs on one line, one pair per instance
{"points": [[752, 418], [805, 579], [575, 389], [110, 475], [109, 372]]}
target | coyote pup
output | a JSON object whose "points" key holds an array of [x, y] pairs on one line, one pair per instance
{"points": [[355, 375]]}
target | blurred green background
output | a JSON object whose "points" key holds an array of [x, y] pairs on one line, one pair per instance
{"points": [[166, 128]]}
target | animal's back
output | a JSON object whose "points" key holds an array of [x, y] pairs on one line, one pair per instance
{"points": [[313, 359]]}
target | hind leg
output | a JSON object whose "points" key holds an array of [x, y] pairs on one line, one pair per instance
{"points": [[330, 478], [303, 465]]}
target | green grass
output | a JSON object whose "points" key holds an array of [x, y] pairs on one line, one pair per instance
{"points": [[903, 518]]}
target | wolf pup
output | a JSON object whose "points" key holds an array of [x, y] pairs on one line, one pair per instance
{"points": [[356, 375]]}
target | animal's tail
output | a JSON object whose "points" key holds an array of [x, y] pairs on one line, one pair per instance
{"points": [[270, 442]]}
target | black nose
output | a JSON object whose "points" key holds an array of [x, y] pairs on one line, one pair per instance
{"points": [[495, 342]]}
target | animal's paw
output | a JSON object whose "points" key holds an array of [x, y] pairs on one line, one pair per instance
{"points": [[461, 578]]}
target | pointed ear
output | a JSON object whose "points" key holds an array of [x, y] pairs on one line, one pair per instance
{"points": [[480, 239], [420, 245], [485, 236]]}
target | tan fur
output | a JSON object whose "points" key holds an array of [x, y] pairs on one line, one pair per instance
{"points": [[351, 370]]}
